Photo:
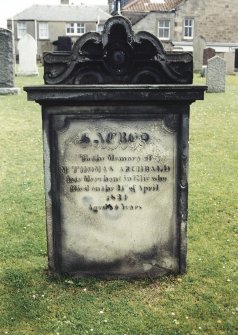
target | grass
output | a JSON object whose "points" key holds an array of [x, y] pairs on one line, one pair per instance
{"points": [[204, 301]]}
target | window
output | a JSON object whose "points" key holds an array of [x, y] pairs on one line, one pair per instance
{"points": [[70, 28], [188, 28], [43, 30], [80, 28], [164, 29], [21, 29], [75, 28]]}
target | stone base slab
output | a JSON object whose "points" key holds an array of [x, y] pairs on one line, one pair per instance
{"points": [[27, 74], [9, 90]]}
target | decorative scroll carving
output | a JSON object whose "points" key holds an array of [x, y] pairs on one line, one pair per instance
{"points": [[117, 56]]}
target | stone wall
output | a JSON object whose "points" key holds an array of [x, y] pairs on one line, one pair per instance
{"points": [[215, 20], [150, 23]]}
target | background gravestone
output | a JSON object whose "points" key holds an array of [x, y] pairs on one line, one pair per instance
{"points": [[6, 63], [27, 48], [64, 43], [199, 44], [230, 62], [236, 58], [216, 75], [207, 54]]}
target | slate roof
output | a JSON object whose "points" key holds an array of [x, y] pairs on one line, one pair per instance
{"points": [[63, 13], [152, 5]]}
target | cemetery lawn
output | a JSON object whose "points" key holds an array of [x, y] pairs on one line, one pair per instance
{"points": [[204, 301]]}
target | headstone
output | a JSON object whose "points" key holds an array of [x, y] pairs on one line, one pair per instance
{"points": [[216, 75], [199, 44], [236, 58], [27, 48], [207, 54], [204, 71], [116, 156], [230, 62], [7, 63], [64, 43]]}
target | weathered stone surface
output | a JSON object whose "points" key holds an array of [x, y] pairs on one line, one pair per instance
{"points": [[216, 75], [27, 48], [118, 57], [116, 156], [6, 59], [6, 63], [207, 54], [118, 187], [9, 90], [199, 44], [116, 177]]}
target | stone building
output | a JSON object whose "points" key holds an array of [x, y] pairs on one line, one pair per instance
{"points": [[46, 22], [178, 22], [175, 22]]}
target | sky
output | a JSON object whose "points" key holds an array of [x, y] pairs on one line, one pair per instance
{"points": [[9, 8]]}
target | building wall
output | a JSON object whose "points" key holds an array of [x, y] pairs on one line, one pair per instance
{"points": [[215, 20], [30, 26], [150, 23], [55, 29]]}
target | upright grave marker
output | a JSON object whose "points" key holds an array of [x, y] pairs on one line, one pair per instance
{"points": [[216, 75], [27, 48], [230, 62], [236, 59], [64, 43], [199, 44], [7, 63], [116, 122], [207, 54]]}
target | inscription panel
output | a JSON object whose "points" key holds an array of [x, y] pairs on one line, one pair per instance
{"points": [[118, 195]]}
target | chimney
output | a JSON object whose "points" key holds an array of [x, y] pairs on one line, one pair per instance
{"points": [[64, 2]]}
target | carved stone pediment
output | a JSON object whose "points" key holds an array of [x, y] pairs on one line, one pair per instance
{"points": [[117, 56]]}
